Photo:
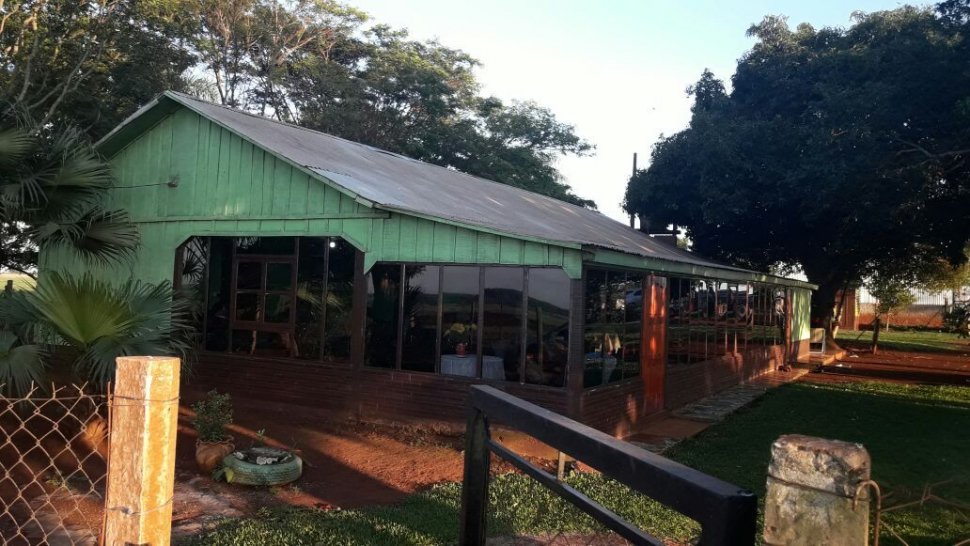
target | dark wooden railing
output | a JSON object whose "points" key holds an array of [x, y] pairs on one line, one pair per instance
{"points": [[725, 512]]}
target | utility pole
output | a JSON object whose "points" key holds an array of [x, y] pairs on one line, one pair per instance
{"points": [[633, 216]]}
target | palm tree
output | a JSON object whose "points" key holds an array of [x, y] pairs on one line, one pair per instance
{"points": [[52, 188], [93, 322]]}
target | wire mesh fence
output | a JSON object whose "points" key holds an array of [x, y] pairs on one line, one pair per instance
{"points": [[53, 454]]}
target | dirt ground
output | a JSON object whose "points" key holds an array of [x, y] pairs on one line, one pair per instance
{"points": [[347, 464], [902, 366], [350, 464]]}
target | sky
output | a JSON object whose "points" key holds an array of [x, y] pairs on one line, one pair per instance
{"points": [[615, 69]]}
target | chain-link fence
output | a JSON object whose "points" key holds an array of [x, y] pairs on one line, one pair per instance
{"points": [[53, 454]]}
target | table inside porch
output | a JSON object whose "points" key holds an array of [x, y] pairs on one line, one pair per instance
{"points": [[492, 366]]}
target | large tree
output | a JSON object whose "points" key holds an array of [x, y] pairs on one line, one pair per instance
{"points": [[88, 63], [316, 64], [839, 151], [72, 71]]}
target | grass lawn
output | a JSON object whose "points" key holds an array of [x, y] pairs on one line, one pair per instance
{"points": [[915, 434], [20, 281], [906, 340]]}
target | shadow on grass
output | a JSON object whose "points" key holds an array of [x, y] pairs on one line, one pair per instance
{"points": [[913, 437]]}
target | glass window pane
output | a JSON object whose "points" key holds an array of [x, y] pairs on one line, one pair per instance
{"points": [[459, 320], [547, 345], [420, 317], [249, 276], [502, 329], [702, 324], [266, 245], [309, 296], [597, 340], [678, 321], [340, 298], [278, 308], [383, 299], [279, 277], [631, 331], [190, 286], [255, 342], [247, 307], [780, 312], [219, 292]]}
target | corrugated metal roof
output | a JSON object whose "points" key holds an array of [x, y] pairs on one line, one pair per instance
{"points": [[393, 182]]}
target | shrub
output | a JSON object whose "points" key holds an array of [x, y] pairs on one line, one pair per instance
{"points": [[212, 414], [957, 319]]}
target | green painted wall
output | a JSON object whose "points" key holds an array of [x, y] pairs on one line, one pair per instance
{"points": [[801, 302], [189, 176]]}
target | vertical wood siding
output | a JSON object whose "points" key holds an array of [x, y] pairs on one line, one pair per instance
{"points": [[189, 176]]}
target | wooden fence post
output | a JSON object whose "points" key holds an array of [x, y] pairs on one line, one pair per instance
{"points": [[141, 472], [474, 490]]}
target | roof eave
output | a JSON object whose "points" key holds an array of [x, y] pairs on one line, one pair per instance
{"points": [[601, 256], [137, 123]]}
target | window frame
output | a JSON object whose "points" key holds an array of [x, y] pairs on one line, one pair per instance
{"points": [[260, 326], [479, 349]]}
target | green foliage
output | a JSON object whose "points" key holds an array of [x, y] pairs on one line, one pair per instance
{"points": [[96, 322], [50, 194], [315, 64], [892, 294], [212, 414], [21, 365], [518, 506], [957, 319], [89, 64], [832, 151]]}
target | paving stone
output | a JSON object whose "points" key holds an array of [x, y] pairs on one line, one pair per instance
{"points": [[716, 407]]}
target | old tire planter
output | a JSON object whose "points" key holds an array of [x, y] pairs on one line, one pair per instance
{"points": [[249, 473]]}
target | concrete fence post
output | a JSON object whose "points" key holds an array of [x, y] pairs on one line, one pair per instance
{"points": [[141, 464], [811, 498]]}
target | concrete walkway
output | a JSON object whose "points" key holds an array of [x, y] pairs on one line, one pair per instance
{"points": [[660, 435]]}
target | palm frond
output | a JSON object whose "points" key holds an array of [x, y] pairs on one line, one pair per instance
{"points": [[106, 237], [15, 145], [102, 322], [80, 309], [71, 175], [19, 316], [20, 365]]}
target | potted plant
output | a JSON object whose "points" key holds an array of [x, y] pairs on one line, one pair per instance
{"points": [[461, 336], [212, 414]]}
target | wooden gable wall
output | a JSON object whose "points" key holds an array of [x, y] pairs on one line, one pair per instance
{"points": [[190, 176]]}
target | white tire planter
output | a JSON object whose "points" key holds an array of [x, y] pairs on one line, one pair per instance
{"points": [[286, 468]]}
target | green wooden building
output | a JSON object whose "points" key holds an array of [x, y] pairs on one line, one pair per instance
{"points": [[336, 275]]}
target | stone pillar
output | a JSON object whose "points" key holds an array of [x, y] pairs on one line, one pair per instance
{"points": [[811, 486]]}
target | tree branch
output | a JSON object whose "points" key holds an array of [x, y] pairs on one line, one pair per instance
{"points": [[916, 148]]}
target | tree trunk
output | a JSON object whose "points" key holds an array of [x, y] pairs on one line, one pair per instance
{"points": [[823, 308], [839, 309]]}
